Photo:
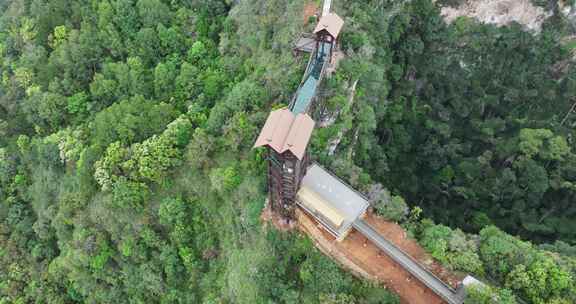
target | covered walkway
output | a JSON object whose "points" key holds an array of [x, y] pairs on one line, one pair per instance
{"points": [[307, 90], [422, 274]]}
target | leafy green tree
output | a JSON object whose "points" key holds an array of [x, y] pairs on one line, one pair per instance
{"points": [[151, 159], [476, 294], [390, 207], [164, 77], [541, 281], [453, 248], [171, 211], [78, 104], [225, 179], [153, 12], [244, 96], [131, 121], [59, 36]]}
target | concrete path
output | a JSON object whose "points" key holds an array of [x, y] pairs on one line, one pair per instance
{"points": [[405, 261], [326, 7]]}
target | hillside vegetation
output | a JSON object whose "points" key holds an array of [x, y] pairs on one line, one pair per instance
{"points": [[127, 174]]}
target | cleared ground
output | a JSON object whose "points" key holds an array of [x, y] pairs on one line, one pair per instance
{"points": [[310, 9], [396, 234], [364, 259]]}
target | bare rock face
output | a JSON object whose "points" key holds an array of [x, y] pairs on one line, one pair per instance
{"points": [[568, 10], [500, 12]]}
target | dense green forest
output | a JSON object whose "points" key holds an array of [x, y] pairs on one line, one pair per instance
{"points": [[127, 174], [470, 121]]}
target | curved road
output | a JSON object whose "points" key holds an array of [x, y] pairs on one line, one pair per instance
{"points": [[430, 280]]}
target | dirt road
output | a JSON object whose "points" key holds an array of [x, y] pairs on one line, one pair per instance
{"points": [[364, 259]]}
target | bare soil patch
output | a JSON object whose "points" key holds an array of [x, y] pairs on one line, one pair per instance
{"points": [[269, 217], [364, 259], [310, 9], [397, 235]]}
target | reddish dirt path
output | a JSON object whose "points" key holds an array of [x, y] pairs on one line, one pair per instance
{"points": [[364, 259], [397, 235], [310, 9]]}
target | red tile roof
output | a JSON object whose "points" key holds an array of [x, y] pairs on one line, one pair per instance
{"points": [[284, 131], [332, 23]]}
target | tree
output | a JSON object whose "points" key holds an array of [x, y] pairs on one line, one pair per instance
{"points": [[107, 167], [200, 149], [171, 211], [541, 281], [151, 159], [164, 77], [392, 208], [478, 294], [225, 179], [451, 247], [78, 105], [130, 121], [145, 162], [244, 96], [153, 12], [532, 143], [146, 46], [59, 36]]}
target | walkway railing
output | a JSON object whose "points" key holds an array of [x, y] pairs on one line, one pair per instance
{"points": [[313, 75]]}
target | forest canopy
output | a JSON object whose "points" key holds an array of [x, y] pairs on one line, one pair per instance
{"points": [[127, 174]]}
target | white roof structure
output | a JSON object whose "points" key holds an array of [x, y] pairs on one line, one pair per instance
{"points": [[330, 200], [319, 205], [470, 280]]}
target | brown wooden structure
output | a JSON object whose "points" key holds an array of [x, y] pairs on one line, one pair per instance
{"points": [[328, 30], [286, 136], [305, 44], [287, 132]]}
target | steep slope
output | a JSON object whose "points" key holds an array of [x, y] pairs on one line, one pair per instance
{"points": [[126, 173]]}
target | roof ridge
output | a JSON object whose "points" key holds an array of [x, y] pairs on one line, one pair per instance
{"points": [[286, 131], [286, 140], [278, 125]]}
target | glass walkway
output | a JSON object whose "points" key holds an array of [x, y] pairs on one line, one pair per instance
{"points": [[307, 89]]}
